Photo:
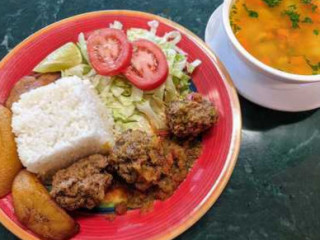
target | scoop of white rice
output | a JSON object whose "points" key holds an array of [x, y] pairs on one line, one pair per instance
{"points": [[57, 124]]}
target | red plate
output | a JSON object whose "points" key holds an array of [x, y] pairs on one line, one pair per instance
{"points": [[211, 171]]}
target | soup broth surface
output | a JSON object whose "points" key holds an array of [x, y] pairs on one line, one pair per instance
{"points": [[284, 34]]}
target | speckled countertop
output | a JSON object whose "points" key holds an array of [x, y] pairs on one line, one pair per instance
{"points": [[274, 192]]}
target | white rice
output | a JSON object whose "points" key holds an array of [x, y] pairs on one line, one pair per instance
{"points": [[57, 124]]}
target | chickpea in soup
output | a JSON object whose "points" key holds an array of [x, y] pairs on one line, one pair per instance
{"points": [[284, 34]]}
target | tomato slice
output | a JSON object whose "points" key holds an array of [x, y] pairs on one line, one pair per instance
{"points": [[109, 51], [149, 66]]}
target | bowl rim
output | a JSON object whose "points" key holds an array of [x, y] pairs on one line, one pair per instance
{"points": [[227, 4], [234, 149]]}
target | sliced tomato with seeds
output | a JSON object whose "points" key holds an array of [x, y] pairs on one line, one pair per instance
{"points": [[109, 51], [149, 66]]}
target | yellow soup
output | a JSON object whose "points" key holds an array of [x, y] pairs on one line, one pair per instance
{"points": [[284, 34]]}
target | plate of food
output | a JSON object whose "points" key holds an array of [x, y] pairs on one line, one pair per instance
{"points": [[114, 125]]}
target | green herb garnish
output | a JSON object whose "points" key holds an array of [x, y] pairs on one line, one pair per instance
{"points": [[234, 9], [313, 6], [251, 13], [272, 3], [293, 15], [307, 20], [316, 32], [315, 67], [235, 27]]}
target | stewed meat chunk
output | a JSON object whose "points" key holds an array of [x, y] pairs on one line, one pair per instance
{"points": [[138, 158], [83, 184], [191, 116]]}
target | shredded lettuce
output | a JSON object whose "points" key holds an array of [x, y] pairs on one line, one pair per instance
{"points": [[82, 44], [131, 107], [121, 96], [171, 56], [172, 37], [125, 101], [136, 94], [80, 70], [139, 33], [116, 25], [177, 69], [158, 107], [154, 118], [123, 114], [153, 26], [171, 91], [192, 66], [102, 83], [116, 91], [159, 92], [137, 121]]}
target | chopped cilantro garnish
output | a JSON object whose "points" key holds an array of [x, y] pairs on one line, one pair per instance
{"points": [[250, 12], [307, 20], [272, 3], [234, 9], [313, 6], [293, 15], [315, 67], [235, 27], [316, 32]]}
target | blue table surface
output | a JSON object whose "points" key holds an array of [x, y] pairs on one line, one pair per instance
{"points": [[274, 192]]}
